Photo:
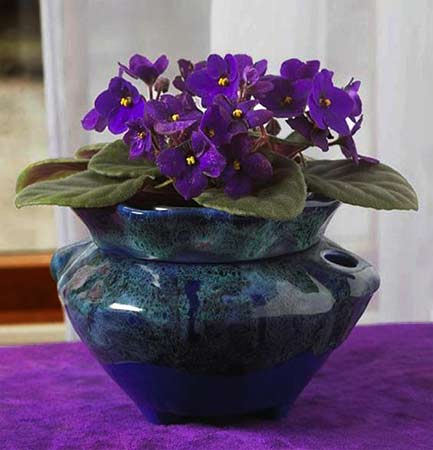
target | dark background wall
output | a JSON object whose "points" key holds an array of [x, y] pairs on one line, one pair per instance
{"points": [[20, 38]]}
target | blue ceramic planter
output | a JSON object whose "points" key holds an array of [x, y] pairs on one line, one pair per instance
{"points": [[196, 313]]}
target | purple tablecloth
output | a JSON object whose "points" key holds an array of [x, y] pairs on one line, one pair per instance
{"points": [[375, 392]]}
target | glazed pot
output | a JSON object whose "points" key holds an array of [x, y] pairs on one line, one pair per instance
{"points": [[197, 313]]}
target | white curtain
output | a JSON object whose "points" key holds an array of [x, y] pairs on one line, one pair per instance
{"points": [[388, 44], [82, 42], [404, 61]]}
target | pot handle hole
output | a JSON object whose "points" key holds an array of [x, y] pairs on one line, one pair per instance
{"points": [[340, 258]]}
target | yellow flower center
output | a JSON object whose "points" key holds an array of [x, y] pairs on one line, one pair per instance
{"points": [[175, 117], [223, 81], [190, 160], [236, 165], [210, 132], [287, 100], [237, 113], [126, 101], [325, 102], [141, 135]]}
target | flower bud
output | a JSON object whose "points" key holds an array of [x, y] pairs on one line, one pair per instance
{"points": [[162, 84]]}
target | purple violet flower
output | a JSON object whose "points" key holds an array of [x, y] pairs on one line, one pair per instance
{"points": [[186, 68], [171, 114], [250, 75], [329, 105], [94, 121], [244, 168], [286, 98], [191, 165], [142, 68], [255, 84], [310, 131], [215, 126], [139, 139], [348, 146], [352, 89], [220, 76], [246, 62], [242, 61], [241, 116], [117, 105], [294, 69]]}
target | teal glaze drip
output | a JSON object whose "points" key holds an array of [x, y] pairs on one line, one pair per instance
{"points": [[191, 290], [213, 318]]}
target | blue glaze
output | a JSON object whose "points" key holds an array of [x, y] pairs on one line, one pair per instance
{"points": [[193, 339], [203, 234], [191, 289], [175, 393]]}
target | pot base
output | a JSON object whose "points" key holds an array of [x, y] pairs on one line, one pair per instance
{"points": [[162, 418], [166, 395]]}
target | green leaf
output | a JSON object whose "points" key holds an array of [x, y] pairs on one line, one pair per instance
{"points": [[113, 161], [83, 190], [372, 186], [297, 140], [283, 199], [88, 151], [49, 169]]}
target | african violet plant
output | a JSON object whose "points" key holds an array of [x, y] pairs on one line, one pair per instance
{"points": [[217, 143]]}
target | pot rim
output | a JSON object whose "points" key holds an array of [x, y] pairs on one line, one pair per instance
{"points": [[180, 211]]}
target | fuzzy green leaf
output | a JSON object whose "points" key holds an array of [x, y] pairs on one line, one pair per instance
{"points": [[88, 151], [283, 199], [372, 186], [49, 169], [297, 140], [83, 190], [113, 161]]}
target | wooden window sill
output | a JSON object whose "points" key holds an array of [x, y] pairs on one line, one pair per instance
{"points": [[27, 292]]}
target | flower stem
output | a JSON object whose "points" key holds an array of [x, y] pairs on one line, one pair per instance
{"points": [[242, 91], [336, 142], [301, 157], [155, 143], [165, 183], [265, 137]]}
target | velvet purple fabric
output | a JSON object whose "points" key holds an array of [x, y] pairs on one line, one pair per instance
{"points": [[375, 392]]}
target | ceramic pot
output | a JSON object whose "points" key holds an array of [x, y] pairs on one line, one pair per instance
{"points": [[197, 313]]}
